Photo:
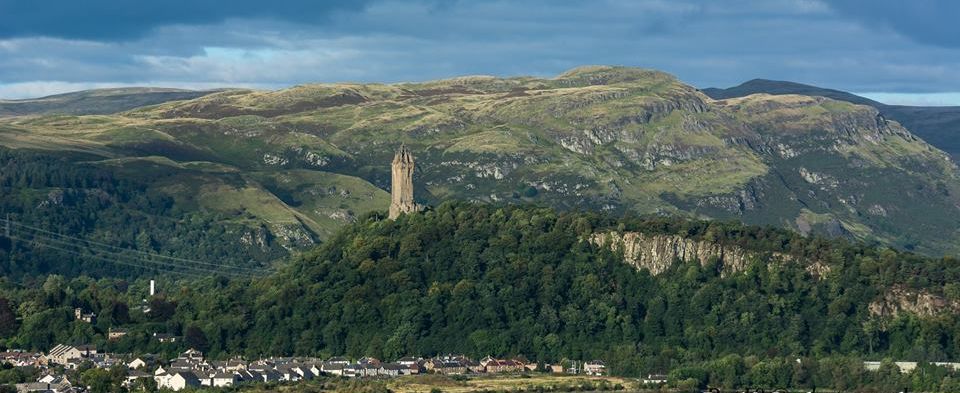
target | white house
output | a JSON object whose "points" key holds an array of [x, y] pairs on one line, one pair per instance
{"points": [[223, 379], [654, 379], [62, 354], [177, 381], [596, 367], [136, 363]]}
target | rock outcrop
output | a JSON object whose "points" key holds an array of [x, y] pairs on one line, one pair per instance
{"points": [[918, 302], [657, 253]]}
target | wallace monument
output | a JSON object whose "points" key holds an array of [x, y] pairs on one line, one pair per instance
{"points": [[401, 187]]}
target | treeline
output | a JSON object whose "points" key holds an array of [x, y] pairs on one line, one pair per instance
{"points": [[62, 195], [835, 372], [480, 280]]}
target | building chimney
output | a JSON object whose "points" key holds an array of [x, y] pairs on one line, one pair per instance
{"points": [[153, 288]]}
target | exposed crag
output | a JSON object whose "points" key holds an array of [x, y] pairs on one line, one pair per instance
{"points": [[900, 299], [657, 253]]}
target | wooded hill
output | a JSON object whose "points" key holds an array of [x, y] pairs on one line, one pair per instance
{"points": [[482, 280]]}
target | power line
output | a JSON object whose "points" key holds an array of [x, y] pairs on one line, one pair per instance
{"points": [[119, 258], [110, 246], [104, 259], [145, 262], [133, 250], [39, 238]]}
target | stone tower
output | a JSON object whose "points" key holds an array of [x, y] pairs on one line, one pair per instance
{"points": [[401, 186]]}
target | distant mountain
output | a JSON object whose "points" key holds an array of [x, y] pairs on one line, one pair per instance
{"points": [[294, 165], [938, 125], [96, 102]]}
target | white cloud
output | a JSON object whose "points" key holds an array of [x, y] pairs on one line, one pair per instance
{"points": [[916, 99]]}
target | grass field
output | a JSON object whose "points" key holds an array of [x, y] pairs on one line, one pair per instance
{"points": [[426, 383]]}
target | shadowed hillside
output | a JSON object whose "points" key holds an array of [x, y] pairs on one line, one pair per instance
{"points": [[938, 125], [96, 102]]}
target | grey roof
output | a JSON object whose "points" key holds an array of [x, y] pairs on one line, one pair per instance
{"points": [[189, 376], [393, 366]]}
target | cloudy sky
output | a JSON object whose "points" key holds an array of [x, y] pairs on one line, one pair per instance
{"points": [[892, 50]]}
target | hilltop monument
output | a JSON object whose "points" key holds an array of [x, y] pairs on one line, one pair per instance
{"points": [[401, 186]]}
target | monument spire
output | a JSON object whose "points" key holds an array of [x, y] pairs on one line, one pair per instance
{"points": [[401, 185]]}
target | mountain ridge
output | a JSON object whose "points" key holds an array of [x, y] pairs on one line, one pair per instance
{"points": [[96, 101], [305, 160], [939, 125]]}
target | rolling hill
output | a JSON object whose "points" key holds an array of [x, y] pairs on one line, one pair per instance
{"points": [[303, 161], [96, 102], [938, 125]]}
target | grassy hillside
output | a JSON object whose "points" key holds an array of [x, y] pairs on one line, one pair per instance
{"points": [[938, 125], [96, 102], [608, 138]]}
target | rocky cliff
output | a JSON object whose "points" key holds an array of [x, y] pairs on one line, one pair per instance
{"points": [[656, 253], [900, 299]]}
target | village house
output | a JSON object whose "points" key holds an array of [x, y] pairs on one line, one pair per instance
{"points": [[142, 362], [81, 316], [177, 381], [369, 360], [316, 369], [332, 368], [104, 360], [45, 387], [66, 355], [391, 369], [18, 358], [133, 376], [47, 383], [165, 338], [223, 379], [191, 369], [654, 379], [192, 354], [492, 365], [116, 334], [527, 364], [446, 366], [596, 367], [234, 365]]}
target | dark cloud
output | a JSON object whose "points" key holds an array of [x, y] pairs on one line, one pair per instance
{"points": [[117, 20], [925, 21], [847, 45]]}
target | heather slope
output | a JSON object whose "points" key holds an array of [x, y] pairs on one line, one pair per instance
{"points": [[608, 138]]}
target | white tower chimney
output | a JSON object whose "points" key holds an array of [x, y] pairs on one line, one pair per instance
{"points": [[153, 288]]}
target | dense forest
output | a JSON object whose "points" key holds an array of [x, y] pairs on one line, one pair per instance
{"points": [[482, 280], [73, 218]]}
